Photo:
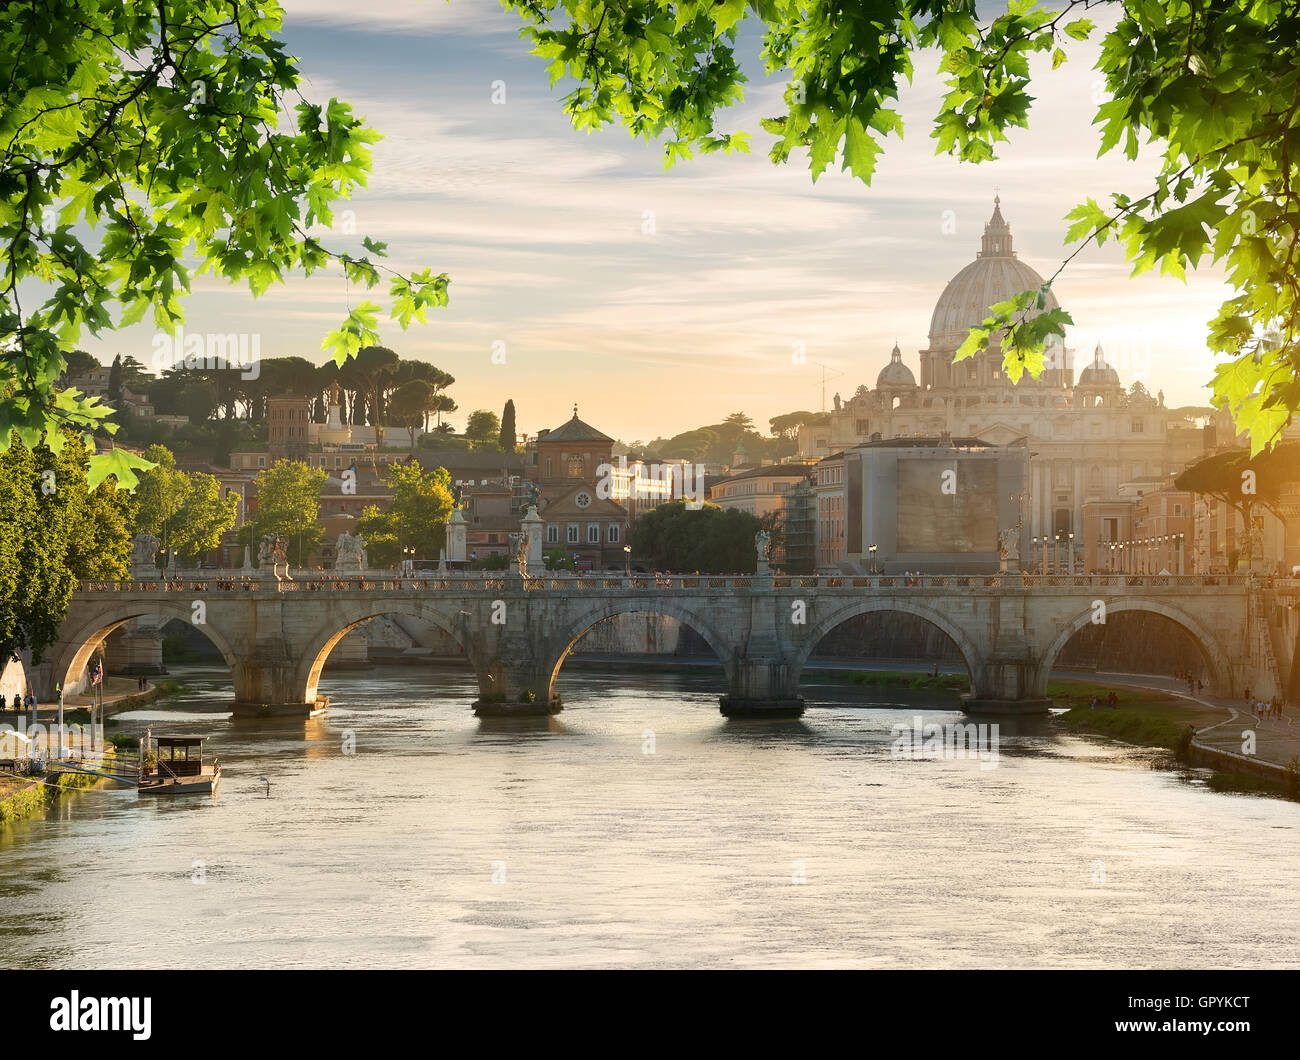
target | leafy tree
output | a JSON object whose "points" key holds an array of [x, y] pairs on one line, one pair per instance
{"points": [[288, 503], [182, 393], [508, 437], [707, 539], [417, 516], [411, 404], [741, 420], [444, 404], [1213, 82], [78, 363], [56, 530], [184, 509], [170, 155], [369, 374], [483, 426], [787, 426], [1242, 481]]}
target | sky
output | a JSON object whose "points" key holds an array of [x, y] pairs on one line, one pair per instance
{"points": [[662, 301]]}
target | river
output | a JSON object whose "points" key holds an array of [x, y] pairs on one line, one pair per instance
{"points": [[640, 828]]}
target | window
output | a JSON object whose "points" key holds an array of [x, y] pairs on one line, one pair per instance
{"points": [[572, 536], [261, 461], [548, 467], [575, 467], [613, 533], [1137, 426], [552, 535], [593, 533]]}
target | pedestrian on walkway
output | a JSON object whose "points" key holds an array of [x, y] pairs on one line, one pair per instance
{"points": [[1112, 700]]}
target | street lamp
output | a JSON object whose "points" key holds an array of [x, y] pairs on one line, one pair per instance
{"points": [[408, 559], [871, 551], [1071, 552], [627, 560]]}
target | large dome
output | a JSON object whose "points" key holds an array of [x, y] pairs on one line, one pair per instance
{"points": [[994, 276]]}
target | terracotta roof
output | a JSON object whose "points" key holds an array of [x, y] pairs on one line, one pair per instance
{"points": [[575, 431]]}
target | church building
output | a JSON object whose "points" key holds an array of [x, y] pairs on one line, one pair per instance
{"points": [[1087, 435]]}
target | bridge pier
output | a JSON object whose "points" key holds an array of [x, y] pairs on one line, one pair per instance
{"points": [[515, 689], [515, 665], [266, 682], [1008, 686], [761, 688]]}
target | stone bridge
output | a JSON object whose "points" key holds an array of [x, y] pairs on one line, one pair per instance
{"points": [[276, 633]]}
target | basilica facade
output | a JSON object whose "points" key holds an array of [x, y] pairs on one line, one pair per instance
{"points": [[1090, 437]]}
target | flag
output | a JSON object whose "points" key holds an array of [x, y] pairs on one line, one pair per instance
{"points": [[96, 674]]}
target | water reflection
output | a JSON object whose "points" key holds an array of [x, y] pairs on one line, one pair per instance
{"points": [[649, 831]]}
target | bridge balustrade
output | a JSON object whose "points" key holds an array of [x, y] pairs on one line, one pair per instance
{"points": [[678, 582]]}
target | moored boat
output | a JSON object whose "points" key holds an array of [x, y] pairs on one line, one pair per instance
{"points": [[178, 767]]}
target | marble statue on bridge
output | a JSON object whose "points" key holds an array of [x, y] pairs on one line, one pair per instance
{"points": [[349, 554], [1009, 547], [272, 555], [144, 555]]}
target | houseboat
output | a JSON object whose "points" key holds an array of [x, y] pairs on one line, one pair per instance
{"points": [[177, 767]]}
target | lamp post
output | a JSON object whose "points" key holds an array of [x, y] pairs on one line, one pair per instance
{"points": [[408, 559], [871, 551], [1071, 552], [627, 560]]}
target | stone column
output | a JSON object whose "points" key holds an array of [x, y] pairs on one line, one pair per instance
{"points": [[457, 537], [531, 526]]}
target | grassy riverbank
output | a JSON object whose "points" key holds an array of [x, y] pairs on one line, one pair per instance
{"points": [[910, 679], [26, 797], [1145, 716], [1149, 717]]}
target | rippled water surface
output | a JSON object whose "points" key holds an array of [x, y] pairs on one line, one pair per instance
{"points": [[448, 841]]}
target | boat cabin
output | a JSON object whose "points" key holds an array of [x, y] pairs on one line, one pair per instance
{"points": [[179, 756]]}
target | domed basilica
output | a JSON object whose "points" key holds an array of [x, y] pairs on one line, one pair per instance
{"points": [[1087, 436]]}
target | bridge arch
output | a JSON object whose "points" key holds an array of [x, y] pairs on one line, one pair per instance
{"points": [[80, 636], [1217, 662], [322, 640], [574, 630], [821, 628]]}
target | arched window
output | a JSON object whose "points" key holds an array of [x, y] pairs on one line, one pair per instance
{"points": [[575, 467]]}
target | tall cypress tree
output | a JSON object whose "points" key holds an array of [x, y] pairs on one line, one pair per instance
{"points": [[507, 436], [115, 380]]}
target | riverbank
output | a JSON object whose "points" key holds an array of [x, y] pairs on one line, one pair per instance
{"points": [[22, 797], [1190, 729], [121, 694]]}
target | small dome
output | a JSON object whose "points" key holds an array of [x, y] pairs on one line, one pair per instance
{"points": [[1099, 373], [895, 373]]}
